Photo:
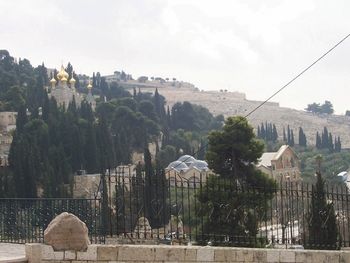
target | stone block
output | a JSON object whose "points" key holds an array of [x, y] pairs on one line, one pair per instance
{"points": [[107, 252], [169, 253], [344, 257], [205, 254], [287, 256], [272, 256], [70, 254], [47, 252], [318, 256], [58, 255], [259, 255], [244, 255], [302, 257], [136, 253], [55, 261], [190, 254], [89, 254], [220, 255], [67, 232], [33, 252], [230, 254], [332, 257]]}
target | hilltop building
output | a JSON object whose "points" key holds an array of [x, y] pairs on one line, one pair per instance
{"points": [[187, 171], [64, 91], [281, 165], [61, 91]]}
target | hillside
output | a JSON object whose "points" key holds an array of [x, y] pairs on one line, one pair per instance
{"points": [[235, 103]]}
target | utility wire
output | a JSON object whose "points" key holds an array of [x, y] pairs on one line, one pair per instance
{"points": [[282, 88], [297, 76]]}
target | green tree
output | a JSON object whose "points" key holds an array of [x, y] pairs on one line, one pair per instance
{"points": [[228, 210], [323, 230], [302, 137], [326, 107]]}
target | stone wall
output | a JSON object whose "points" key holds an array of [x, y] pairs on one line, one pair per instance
{"points": [[37, 253]]}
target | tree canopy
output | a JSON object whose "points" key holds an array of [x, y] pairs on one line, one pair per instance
{"points": [[231, 154], [326, 107]]}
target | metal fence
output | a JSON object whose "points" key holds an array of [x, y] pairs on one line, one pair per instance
{"points": [[199, 209], [210, 210], [24, 220]]}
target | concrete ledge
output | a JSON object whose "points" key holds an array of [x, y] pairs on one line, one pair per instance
{"points": [[37, 253], [14, 260]]}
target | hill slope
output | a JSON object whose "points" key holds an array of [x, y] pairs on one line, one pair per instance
{"points": [[234, 103]]}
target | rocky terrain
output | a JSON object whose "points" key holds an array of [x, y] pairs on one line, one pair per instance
{"points": [[235, 103]]}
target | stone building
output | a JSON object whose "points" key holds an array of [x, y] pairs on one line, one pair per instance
{"points": [[64, 91], [8, 120], [187, 171], [281, 165]]}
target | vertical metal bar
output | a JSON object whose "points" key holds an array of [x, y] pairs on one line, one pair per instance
{"points": [[202, 220], [195, 211], [347, 234], [176, 209], [124, 203], [342, 242], [170, 205], [130, 203], [207, 194], [182, 210], [158, 176], [189, 210]]}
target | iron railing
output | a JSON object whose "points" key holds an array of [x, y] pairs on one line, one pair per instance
{"points": [[200, 210], [197, 209], [24, 220]]}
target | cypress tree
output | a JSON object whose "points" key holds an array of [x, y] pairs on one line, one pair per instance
{"points": [[284, 135], [148, 184], [323, 230], [302, 137], [288, 135], [275, 134], [91, 150], [325, 138], [157, 104], [291, 138], [263, 131], [318, 141], [330, 143]]}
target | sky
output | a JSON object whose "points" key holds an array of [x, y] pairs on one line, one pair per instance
{"points": [[251, 46]]}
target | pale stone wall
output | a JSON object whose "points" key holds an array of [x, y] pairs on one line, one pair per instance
{"points": [[38, 253], [7, 118]]}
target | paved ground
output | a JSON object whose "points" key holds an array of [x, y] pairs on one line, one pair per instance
{"points": [[11, 251]]}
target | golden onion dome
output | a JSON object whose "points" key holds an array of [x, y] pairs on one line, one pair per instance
{"points": [[62, 74], [89, 86], [53, 81], [72, 80]]}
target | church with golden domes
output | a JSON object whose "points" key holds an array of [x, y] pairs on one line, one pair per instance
{"points": [[64, 91]]}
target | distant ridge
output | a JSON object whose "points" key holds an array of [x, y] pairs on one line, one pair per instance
{"points": [[235, 103]]}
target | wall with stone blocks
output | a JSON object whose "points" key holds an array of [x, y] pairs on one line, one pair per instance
{"points": [[39, 253]]}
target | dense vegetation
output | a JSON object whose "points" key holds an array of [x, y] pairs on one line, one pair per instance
{"points": [[50, 145], [326, 107], [231, 154]]}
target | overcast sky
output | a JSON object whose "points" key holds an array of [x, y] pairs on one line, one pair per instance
{"points": [[250, 46]]}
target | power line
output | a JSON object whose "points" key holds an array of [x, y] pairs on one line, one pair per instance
{"points": [[298, 75], [283, 87]]}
